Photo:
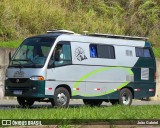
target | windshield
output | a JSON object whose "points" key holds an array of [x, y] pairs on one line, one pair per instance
{"points": [[33, 52]]}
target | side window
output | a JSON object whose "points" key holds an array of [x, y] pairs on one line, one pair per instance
{"points": [[143, 52], [102, 51], [93, 51], [147, 53], [62, 54]]}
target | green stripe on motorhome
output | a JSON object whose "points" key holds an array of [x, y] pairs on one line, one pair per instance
{"points": [[82, 79], [105, 93]]}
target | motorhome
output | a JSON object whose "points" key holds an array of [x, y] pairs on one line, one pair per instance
{"points": [[62, 65]]}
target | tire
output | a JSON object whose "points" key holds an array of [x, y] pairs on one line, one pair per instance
{"points": [[92, 102], [114, 101], [25, 102], [61, 97], [125, 97]]}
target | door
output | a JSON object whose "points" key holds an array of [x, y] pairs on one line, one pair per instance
{"points": [[58, 71]]}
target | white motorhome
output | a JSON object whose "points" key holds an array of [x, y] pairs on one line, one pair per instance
{"points": [[61, 65]]}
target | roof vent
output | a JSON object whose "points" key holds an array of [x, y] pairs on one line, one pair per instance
{"points": [[62, 31], [85, 32]]}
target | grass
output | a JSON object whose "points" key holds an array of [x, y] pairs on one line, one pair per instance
{"points": [[113, 112], [156, 51], [10, 44], [21, 18]]}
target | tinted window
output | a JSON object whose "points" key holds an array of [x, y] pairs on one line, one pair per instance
{"points": [[147, 53], [93, 51], [143, 52], [61, 55], [102, 51], [33, 52]]}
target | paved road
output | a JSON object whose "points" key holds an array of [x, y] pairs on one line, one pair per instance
{"points": [[11, 104]]}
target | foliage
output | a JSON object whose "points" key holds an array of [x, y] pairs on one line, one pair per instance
{"points": [[84, 112], [11, 44], [22, 18]]}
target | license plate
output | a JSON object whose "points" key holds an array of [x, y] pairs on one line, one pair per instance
{"points": [[17, 92]]}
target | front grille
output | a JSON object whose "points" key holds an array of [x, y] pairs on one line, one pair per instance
{"points": [[19, 88], [18, 80]]}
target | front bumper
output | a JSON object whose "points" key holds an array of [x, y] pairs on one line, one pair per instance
{"points": [[26, 87]]}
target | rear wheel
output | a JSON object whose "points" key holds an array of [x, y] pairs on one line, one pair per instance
{"points": [[61, 97], [92, 102], [125, 97], [25, 102]]}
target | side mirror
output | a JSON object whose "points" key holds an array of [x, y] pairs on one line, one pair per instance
{"points": [[10, 56]]}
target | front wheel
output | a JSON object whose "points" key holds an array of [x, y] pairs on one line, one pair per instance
{"points": [[125, 97], [61, 97], [25, 102], [92, 102]]}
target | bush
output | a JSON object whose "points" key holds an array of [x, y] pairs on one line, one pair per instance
{"points": [[21, 18]]}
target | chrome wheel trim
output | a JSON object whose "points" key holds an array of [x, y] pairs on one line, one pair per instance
{"points": [[126, 98], [61, 99]]}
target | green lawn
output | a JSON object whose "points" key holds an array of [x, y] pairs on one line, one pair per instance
{"points": [[156, 51], [84, 112], [10, 44]]}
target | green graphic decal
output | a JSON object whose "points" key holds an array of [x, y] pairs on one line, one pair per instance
{"points": [[95, 72], [104, 93]]}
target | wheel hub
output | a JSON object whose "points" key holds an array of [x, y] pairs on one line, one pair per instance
{"points": [[125, 99], [61, 99]]}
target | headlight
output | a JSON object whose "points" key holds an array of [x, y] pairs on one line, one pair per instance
{"points": [[37, 78]]}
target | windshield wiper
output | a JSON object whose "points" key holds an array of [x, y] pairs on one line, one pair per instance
{"points": [[24, 60], [18, 62]]}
